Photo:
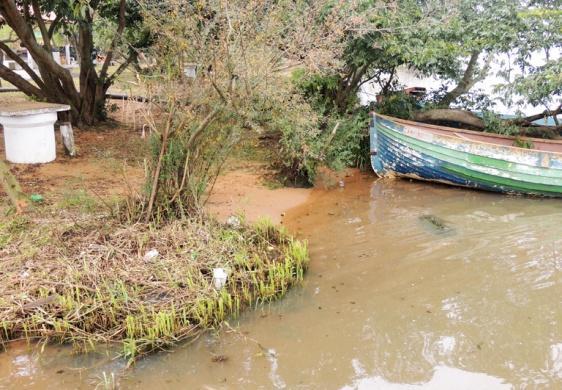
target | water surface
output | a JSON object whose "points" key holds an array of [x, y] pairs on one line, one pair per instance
{"points": [[410, 286]]}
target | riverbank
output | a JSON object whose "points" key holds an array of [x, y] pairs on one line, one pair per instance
{"points": [[73, 270]]}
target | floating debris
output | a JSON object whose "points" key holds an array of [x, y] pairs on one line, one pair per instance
{"points": [[437, 224]]}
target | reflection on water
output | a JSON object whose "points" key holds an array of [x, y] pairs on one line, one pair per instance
{"points": [[443, 379], [392, 301]]}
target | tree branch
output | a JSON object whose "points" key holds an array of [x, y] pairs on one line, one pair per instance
{"points": [[111, 79], [388, 83], [10, 53], [531, 118], [21, 83], [116, 38], [468, 80], [53, 26], [41, 24]]}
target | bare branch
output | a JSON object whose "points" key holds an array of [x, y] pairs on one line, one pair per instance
{"points": [[132, 57], [41, 24], [116, 38], [10, 53], [21, 83], [531, 118], [54, 25]]}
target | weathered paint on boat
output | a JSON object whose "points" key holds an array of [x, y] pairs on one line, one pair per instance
{"points": [[465, 158]]}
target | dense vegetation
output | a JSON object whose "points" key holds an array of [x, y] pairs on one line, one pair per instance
{"points": [[456, 44], [293, 69]]}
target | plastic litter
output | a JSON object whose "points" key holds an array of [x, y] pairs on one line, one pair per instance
{"points": [[37, 198], [151, 254], [219, 278]]}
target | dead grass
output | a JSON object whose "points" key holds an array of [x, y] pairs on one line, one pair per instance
{"points": [[84, 278], [72, 272]]}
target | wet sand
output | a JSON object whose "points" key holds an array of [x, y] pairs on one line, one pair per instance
{"points": [[243, 192]]}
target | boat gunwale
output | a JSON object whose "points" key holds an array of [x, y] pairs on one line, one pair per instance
{"points": [[504, 188], [530, 175], [455, 130]]}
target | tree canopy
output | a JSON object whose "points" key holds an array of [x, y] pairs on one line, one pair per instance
{"points": [[36, 24], [455, 42]]}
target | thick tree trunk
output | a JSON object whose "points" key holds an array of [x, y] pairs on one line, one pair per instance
{"points": [[54, 83], [450, 115]]}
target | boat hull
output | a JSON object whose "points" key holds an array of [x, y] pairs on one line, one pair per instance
{"points": [[406, 149]]}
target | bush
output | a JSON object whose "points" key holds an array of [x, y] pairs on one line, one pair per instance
{"points": [[399, 105], [494, 124], [350, 144], [315, 134]]}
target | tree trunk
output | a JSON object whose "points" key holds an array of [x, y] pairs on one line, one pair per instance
{"points": [[450, 115], [54, 83], [468, 80], [348, 87]]}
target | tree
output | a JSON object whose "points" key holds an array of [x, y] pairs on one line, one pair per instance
{"points": [[521, 30], [242, 50], [52, 82], [456, 42]]}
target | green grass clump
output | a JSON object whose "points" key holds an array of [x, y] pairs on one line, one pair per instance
{"points": [[78, 199]]}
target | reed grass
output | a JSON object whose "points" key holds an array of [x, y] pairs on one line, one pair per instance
{"points": [[89, 282]]}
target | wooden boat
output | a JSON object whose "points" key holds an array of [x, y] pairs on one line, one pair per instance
{"points": [[465, 158]]}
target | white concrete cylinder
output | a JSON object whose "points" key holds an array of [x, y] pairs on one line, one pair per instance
{"points": [[30, 139]]}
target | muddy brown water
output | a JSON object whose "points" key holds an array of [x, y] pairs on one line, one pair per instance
{"points": [[411, 286]]}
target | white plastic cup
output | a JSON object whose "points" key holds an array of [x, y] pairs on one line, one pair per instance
{"points": [[219, 278]]}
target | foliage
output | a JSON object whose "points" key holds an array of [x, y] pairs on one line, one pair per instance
{"points": [[542, 85], [349, 145], [340, 142], [523, 143], [242, 51], [399, 105], [319, 90], [330, 138], [456, 44], [495, 124]]}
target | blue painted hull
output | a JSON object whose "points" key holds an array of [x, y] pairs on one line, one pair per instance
{"points": [[400, 148]]}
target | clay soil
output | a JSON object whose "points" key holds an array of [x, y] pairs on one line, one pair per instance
{"points": [[110, 165]]}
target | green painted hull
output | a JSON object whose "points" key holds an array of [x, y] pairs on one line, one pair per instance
{"points": [[443, 155]]}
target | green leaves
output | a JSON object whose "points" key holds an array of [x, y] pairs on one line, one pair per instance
{"points": [[542, 85]]}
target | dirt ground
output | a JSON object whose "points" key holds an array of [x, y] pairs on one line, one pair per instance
{"points": [[245, 190], [110, 164]]}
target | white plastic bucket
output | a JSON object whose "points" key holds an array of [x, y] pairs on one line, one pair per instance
{"points": [[30, 139]]}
